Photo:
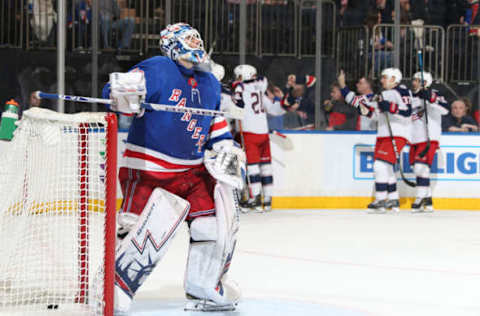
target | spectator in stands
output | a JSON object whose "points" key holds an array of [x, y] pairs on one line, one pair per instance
{"points": [[298, 101], [458, 119], [81, 22], [341, 116], [354, 12], [43, 20], [381, 45], [472, 17], [419, 12], [385, 7], [446, 12], [111, 20]]}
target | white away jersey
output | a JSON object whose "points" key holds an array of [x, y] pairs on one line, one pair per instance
{"points": [[251, 96], [434, 111], [367, 122], [401, 121]]}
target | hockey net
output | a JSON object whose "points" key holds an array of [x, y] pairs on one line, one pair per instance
{"points": [[57, 215]]}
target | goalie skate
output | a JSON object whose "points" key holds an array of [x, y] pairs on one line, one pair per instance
{"points": [[203, 305]]}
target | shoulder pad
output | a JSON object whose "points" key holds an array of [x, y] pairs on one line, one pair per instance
{"points": [[403, 90], [226, 89]]}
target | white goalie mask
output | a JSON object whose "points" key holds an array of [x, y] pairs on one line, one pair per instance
{"points": [[247, 72], [427, 78]]}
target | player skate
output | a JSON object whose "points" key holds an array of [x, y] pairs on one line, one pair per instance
{"points": [[422, 205], [377, 207], [393, 205], [267, 204], [251, 204]]}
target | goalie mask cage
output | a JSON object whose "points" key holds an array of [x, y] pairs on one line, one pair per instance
{"points": [[57, 215]]}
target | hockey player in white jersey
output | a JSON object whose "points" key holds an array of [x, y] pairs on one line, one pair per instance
{"points": [[396, 103], [227, 103], [363, 101], [249, 93], [421, 157]]}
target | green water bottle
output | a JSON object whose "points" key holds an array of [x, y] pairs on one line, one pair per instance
{"points": [[9, 117]]}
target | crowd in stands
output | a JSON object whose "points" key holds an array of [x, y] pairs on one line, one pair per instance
{"points": [[339, 115], [117, 25]]}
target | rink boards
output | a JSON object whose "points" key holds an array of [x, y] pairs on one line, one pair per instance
{"points": [[335, 170], [332, 170]]}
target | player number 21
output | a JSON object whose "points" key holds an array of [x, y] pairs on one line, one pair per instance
{"points": [[257, 105]]}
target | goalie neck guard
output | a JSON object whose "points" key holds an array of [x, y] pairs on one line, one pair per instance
{"points": [[181, 41]]}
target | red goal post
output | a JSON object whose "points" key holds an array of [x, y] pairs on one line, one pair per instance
{"points": [[57, 214]]}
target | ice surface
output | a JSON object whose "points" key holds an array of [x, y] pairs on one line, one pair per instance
{"points": [[339, 262]]}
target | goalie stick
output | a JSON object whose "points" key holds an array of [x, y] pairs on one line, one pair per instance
{"points": [[397, 153], [144, 105]]}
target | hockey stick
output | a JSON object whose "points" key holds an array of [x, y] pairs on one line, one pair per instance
{"points": [[147, 106], [242, 140], [397, 154], [420, 63], [281, 140]]}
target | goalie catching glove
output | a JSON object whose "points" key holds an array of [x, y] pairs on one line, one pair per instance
{"points": [[226, 162], [128, 91]]}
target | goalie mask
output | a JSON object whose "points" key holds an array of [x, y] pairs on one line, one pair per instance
{"points": [[181, 41], [427, 78], [247, 72]]}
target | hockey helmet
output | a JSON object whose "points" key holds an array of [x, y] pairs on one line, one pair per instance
{"points": [[427, 78], [393, 72], [247, 72], [181, 41], [218, 70]]}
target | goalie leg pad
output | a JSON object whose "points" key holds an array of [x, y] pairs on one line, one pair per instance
{"points": [[146, 243], [211, 250]]}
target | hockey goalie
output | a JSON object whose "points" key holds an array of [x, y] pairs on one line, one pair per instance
{"points": [[178, 167]]}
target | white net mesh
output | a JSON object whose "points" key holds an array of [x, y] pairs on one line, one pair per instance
{"points": [[52, 215]]}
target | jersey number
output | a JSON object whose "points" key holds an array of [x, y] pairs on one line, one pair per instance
{"points": [[257, 105]]}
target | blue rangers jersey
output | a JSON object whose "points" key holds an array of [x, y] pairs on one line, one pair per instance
{"points": [[174, 142]]}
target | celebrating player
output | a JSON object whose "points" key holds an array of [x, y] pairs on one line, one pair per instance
{"points": [[430, 118], [250, 94], [177, 166], [393, 126], [364, 102]]}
